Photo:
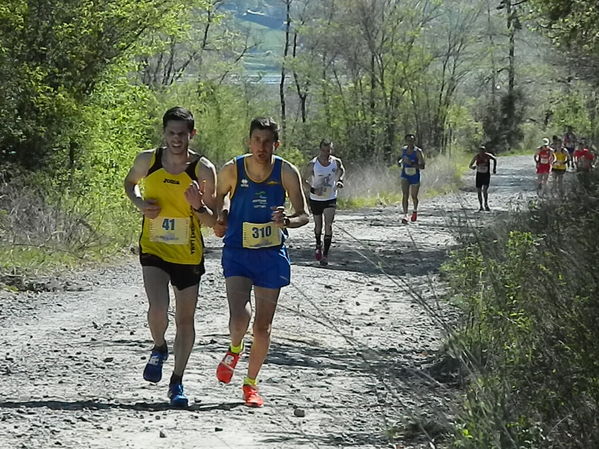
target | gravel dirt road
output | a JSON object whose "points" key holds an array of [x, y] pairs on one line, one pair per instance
{"points": [[352, 356]]}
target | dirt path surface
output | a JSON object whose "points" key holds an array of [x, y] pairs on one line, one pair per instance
{"points": [[352, 353]]}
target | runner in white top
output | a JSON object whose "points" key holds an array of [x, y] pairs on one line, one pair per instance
{"points": [[323, 176]]}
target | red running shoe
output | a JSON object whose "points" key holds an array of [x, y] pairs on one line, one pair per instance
{"points": [[414, 216], [318, 253], [251, 397], [226, 367]]}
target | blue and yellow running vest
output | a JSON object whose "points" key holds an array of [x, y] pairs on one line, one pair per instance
{"points": [[249, 224]]}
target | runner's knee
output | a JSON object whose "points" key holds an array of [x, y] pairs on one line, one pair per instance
{"points": [[262, 329]]}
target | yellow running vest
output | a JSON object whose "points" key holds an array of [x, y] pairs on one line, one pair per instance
{"points": [[560, 160], [174, 235]]}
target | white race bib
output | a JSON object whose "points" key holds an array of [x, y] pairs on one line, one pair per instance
{"points": [[544, 160], [261, 235], [410, 171], [172, 231]]}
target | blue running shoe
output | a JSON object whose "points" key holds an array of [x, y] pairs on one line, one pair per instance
{"points": [[153, 369], [176, 395]]}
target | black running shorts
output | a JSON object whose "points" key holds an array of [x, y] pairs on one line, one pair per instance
{"points": [[482, 179], [318, 207], [182, 276]]}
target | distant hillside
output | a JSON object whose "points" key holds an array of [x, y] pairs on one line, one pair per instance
{"points": [[269, 13], [265, 19]]}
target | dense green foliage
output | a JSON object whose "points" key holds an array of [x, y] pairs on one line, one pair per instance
{"points": [[574, 23], [529, 296]]}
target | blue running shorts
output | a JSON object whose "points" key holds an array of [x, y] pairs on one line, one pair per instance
{"points": [[265, 267]]}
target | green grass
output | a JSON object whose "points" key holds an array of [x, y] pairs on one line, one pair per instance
{"points": [[380, 185], [528, 290]]}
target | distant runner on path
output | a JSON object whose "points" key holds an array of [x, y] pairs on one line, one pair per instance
{"points": [[481, 162], [560, 165], [584, 161], [570, 141], [254, 226], [323, 176], [543, 159], [178, 197], [411, 162]]}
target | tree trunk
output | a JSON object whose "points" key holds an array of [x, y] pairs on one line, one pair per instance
{"points": [[283, 70]]}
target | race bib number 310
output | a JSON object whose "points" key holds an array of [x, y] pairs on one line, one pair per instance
{"points": [[261, 235], [172, 231]]}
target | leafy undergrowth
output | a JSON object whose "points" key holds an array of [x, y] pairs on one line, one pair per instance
{"points": [[43, 233], [529, 292]]}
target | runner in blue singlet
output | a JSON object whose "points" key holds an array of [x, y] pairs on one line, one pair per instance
{"points": [[411, 162], [254, 257]]}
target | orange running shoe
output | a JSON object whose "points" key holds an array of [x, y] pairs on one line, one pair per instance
{"points": [[226, 367], [251, 397]]}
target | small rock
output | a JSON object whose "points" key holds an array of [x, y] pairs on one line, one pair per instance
{"points": [[162, 434], [299, 412], [218, 429]]}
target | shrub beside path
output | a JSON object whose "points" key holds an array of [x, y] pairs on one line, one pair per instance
{"points": [[352, 365]]}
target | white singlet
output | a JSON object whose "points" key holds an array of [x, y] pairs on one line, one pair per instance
{"points": [[324, 180]]}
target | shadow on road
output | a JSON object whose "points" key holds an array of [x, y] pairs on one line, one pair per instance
{"points": [[99, 405]]}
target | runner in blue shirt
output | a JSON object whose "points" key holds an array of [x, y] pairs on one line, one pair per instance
{"points": [[254, 224]]}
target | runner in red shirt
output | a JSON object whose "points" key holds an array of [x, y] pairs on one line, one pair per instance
{"points": [[583, 159], [544, 159], [584, 162], [481, 162]]}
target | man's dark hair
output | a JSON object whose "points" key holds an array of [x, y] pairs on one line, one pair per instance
{"points": [[325, 143], [410, 136], [265, 123], [181, 114]]}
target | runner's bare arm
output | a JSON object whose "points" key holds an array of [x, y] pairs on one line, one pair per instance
{"points": [[494, 159], [341, 169], [292, 184], [420, 156], [471, 164], [307, 176], [201, 194], [149, 207], [227, 178]]}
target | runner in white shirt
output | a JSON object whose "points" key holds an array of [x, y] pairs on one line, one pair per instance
{"points": [[323, 176]]}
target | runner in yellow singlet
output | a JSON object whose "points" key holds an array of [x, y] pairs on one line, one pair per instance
{"points": [[178, 197], [560, 165]]}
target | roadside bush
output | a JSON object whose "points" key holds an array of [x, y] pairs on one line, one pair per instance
{"points": [[529, 293]]}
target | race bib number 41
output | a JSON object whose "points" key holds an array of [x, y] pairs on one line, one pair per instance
{"points": [[261, 235], [172, 231]]}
